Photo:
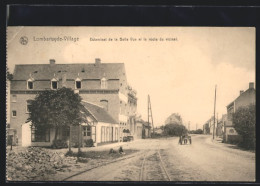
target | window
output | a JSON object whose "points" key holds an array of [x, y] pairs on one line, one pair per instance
{"points": [[87, 131], [14, 98], [103, 83], [14, 114], [30, 82], [78, 84], [29, 85], [40, 134], [54, 85], [29, 106]]}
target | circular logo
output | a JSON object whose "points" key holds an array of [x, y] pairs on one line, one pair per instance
{"points": [[24, 40], [231, 131]]}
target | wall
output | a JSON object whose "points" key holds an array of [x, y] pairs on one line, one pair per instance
{"points": [[113, 102], [26, 137], [20, 107], [46, 84], [245, 99], [8, 101], [98, 132]]}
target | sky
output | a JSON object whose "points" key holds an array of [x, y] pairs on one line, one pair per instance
{"points": [[180, 74]]}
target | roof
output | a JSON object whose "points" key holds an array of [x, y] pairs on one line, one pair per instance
{"points": [[241, 95], [81, 70], [99, 113]]}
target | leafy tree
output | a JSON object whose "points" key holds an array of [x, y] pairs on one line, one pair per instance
{"points": [[199, 131], [244, 123], [56, 109], [174, 129], [9, 76]]}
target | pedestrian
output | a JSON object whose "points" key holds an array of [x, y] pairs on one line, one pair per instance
{"points": [[180, 140]]}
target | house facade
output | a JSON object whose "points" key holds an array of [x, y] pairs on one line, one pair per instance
{"points": [[244, 99], [101, 128], [103, 84], [220, 125]]}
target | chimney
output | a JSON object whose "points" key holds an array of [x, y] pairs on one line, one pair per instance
{"points": [[97, 61], [52, 61], [241, 91], [251, 85]]}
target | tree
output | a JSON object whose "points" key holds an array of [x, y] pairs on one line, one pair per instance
{"points": [[244, 123], [9, 76], [174, 129], [56, 109]]}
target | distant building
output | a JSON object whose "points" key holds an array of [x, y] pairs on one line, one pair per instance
{"points": [[103, 84], [146, 128], [220, 125], [173, 118], [208, 127], [244, 99]]}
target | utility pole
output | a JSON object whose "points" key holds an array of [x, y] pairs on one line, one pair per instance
{"points": [[150, 113], [214, 111]]}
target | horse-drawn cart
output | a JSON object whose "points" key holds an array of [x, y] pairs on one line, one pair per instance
{"points": [[185, 139]]}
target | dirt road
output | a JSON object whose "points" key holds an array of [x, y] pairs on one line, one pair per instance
{"points": [[165, 160]]}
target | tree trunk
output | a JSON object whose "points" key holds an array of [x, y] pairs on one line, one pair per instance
{"points": [[79, 139], [56, 133], [70, 140]]}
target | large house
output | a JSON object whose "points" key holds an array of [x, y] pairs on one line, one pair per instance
{"points": [[101, 84], [244, 99]]}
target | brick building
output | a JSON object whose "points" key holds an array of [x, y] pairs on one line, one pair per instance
{"points": [[103, 84], [244, 99]]}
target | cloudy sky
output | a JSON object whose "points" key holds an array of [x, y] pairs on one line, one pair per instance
{"points": [[179, 74]]}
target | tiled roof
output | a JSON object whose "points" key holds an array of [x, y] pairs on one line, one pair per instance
{"points": [[241, 95], [81, 70], [99, 113]]}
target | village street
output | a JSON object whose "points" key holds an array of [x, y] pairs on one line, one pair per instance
{"points": [[165, 160]]}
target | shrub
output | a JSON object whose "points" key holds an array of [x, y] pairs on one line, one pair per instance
{"points": [[69, 153], [120, 150], [244, 123], [112, 151], [89, 143], [58, 144]]}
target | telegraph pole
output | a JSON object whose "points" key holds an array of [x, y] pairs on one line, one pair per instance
{"points": [[214, 111], [150, 112]]}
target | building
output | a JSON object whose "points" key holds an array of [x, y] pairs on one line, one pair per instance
{"points": [[208, 127], [244, 99], [173, 118], [101, 128], [103, 84], [220, 125], [145, 131]]}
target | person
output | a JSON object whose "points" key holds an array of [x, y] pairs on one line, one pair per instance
{"points": [[180, 140]]}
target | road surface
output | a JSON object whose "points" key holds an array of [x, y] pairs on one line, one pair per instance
{"points": [[166, 160]]}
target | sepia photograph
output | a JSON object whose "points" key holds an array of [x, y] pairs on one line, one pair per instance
{"points": [[106, 103]]}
